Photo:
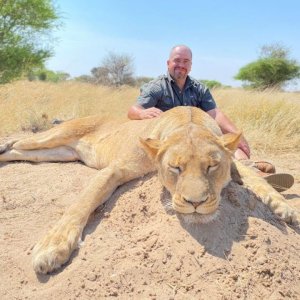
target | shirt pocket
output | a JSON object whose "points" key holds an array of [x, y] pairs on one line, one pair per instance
{"points": [[165, 103], [191, 99]]}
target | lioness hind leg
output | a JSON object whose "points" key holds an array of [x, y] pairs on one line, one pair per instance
{"points": [[62, 154], [7, 146], [54, 137], [57, 138], [268, 194], [61, 135]]}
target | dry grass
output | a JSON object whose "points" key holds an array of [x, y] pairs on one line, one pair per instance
{"points": [[270, 120], [25, 104]]}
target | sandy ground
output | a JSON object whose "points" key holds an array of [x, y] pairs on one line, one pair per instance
{"points": [[135, 247]]}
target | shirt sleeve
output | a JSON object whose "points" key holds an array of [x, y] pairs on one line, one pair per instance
{"points": [[149, 95], [207, 101]]}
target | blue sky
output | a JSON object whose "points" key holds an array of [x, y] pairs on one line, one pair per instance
{"points": [[223, 35]]}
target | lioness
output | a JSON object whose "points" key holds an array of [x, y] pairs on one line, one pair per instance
{"points": [[184, 145]]}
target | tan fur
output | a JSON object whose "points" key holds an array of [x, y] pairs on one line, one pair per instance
{"points": [[184, 145]]}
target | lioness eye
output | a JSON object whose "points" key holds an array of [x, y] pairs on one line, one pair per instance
{"points": [[212, 168], [175, 170]]}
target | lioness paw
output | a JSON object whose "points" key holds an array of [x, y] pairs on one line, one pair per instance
{"points": [[287, 214], [55, 249], [7, 146]]}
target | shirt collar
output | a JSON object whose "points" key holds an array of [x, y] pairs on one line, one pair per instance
{"points": [[187, 84]]}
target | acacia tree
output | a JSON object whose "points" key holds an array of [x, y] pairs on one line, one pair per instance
{"points": [[25, 28], [273, 68], [116, 69]]}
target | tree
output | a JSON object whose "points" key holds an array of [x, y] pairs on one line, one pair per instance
{"points": [[116, 69], [84, 78], [25, 27], [47, 75], [211, 83], [273, 69], [101, 76]]}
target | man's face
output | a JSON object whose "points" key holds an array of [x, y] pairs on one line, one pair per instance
{"points": [[180, 63]]}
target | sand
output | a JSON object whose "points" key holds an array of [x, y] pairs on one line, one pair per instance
{"points": [[135, 247]]}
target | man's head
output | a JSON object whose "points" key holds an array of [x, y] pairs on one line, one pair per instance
{"points": [[180, 62]]}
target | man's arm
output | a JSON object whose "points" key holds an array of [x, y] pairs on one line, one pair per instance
{"points": [[227, 126], [138, 112]]}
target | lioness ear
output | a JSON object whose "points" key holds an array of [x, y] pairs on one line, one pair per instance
{"points": [[231, 140], [151, 146]]}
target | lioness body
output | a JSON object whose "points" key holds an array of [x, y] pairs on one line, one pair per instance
{"points": [[185, 145]]}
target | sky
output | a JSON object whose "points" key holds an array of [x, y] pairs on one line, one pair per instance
{"points": [[223, 35]]}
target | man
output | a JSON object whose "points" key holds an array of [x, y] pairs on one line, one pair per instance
{"points": [[178, 88]]}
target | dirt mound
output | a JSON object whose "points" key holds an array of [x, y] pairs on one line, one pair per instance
{"points": [[135, 247]]}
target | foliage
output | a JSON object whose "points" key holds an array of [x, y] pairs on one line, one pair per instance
{"points": [[84, 78], [116, 70], [140, 80], [275, 51], [272, 70], [25, 27], [211, 83], [47, 75], [100, 75]]}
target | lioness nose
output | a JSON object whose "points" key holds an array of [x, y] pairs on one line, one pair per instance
{"points": [[196, 204]]}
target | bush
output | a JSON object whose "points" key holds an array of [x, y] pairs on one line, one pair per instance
{"points": [[47, 75], [211, 84], [140, 80]]}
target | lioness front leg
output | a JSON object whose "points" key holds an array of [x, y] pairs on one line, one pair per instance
{"points": [[268, 194], [56, 247], [277, 204]]}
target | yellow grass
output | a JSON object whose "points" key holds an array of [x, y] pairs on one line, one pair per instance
{"points": [[270, 120]]}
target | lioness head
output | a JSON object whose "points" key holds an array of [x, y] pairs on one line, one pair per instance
{"points": [[194, 165]]}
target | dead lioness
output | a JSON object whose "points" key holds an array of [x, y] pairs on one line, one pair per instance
{"points": [[184, 145]]}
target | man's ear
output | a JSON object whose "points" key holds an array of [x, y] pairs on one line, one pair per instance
{"points": [[151, 146], [231, 140]]}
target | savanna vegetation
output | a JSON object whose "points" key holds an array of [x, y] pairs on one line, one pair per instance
{"points": [[25, 36], [270, 119], [273, 69]]}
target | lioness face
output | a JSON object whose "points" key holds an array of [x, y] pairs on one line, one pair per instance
{"points": [[194, 169], [195, 177]]}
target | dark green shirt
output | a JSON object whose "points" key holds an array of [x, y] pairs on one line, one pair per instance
{"points": [[163, 93]]}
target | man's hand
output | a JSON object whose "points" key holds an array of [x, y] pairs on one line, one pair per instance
{"points": [[227, 126], [137, 112], [244, 146], [150, 113]]}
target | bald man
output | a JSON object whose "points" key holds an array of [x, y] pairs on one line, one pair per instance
{"points": [[177, 88]]}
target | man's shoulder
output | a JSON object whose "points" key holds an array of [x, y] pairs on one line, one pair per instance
{"points": [[158, 80], [156, 84], [197, 84]]}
